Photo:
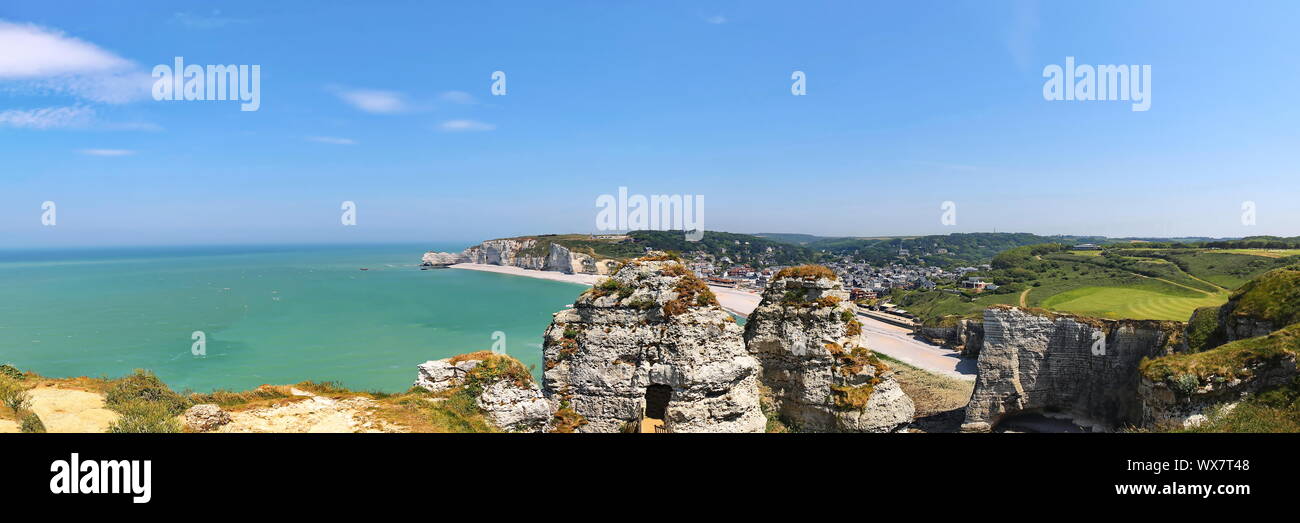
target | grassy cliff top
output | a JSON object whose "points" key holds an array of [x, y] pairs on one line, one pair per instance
{"points": [[1228, 361], [1273, 296]]}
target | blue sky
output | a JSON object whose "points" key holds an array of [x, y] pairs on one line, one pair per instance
{"points": [[388, 104]]}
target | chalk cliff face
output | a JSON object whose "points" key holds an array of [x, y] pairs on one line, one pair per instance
{"points": [[1056, 364], [806, 337], [527, 253], [651, 338], [963, 335], [442, 259]]}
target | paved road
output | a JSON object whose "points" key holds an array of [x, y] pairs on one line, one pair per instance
{"points": [[898, 343]]}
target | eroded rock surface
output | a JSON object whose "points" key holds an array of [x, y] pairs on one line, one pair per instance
{"points": [[808, 341], [1056, 364], [205, 417], [1184, 390], [651, 336], [503, 388], [963, 335], [442, 259]]}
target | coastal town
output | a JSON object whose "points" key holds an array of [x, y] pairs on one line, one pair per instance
{"points": [[869, 285]]}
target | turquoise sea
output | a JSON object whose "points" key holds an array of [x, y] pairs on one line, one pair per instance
{"points": [[275, 315]]}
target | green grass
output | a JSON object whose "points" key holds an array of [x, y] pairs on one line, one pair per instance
{"points": [[1225, 362], [1203, 332], [1272, 411], [1132, 303], [1274, 297], [1228, 268], [145, 403]]}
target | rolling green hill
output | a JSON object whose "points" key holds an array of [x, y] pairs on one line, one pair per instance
{"points": [[1162, 284], [949, 250]]}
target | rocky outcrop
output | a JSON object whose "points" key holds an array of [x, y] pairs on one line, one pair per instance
{"points": [[651, 341], [960, 334], [1085, 369], [205, 417], [807, 339], [444, 374], [501, 386], [1182, 391], [1246, 346], [442, 259], [542, 255]]}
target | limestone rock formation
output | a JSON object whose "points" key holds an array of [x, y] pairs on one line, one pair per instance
{"points": [[440, 375], [205, 417], [442, 259], [808, 341], [650, 341], [1057, 364], [531, 253], [964, 335], [502, 387]]}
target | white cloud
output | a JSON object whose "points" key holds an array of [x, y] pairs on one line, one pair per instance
{"points": [[107, 152], [47, 118], [375, 101], [466, 125], [716, 19], [332, 140], [114, 88], [35, 52], [460, 97], [49, 62]]}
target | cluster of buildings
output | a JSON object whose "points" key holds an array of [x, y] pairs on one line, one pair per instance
{"points": [[864, 281], [871, 281]]}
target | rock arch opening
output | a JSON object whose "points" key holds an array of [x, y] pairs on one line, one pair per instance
{"points": [[656, 401]]}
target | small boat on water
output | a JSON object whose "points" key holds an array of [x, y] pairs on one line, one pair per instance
{"points": [[364, 269]]}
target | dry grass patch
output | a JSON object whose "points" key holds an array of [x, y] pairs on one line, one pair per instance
{"points": [[940, 401], [807, 272]]}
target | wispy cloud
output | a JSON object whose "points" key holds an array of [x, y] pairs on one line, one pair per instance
{"points": [[374, 100], [1019, 38], [107, 152], [332, 140], [716, 19], [36, 52], [213, 20], [47, 61], [47, 118], [466, 125], [459, 97]]}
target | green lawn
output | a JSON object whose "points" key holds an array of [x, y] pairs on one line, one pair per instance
{"points": [[1127, 302]]}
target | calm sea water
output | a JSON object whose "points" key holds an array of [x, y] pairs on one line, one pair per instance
{"points": [[271, 315]]}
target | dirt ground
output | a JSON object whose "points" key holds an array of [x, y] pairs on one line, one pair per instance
{"points": [[940, 400], [67, 410], [307, 412]]}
